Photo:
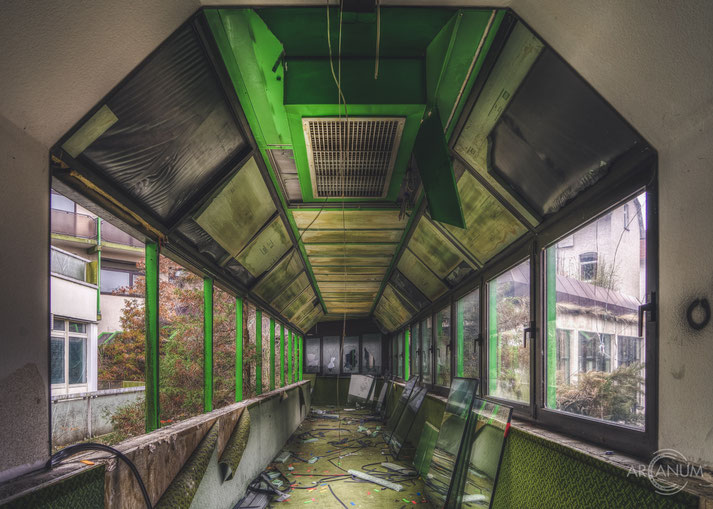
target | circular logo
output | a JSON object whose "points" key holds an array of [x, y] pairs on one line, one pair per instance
{"points": [[660, 469]]}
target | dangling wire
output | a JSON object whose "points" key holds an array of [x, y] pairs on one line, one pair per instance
{"points": [[378, 39]]}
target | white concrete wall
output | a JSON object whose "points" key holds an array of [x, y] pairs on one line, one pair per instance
{"points": [[112, 307], [71, 299], [24, 306]]}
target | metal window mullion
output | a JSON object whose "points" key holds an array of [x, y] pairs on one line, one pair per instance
{"points": [[151, 307], [238, 349], [272, 354]]}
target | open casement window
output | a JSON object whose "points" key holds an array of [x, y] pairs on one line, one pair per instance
{"points": [[509, 314], [595, 284]]}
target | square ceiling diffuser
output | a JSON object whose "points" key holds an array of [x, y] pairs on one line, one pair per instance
{"points": [[353, 158]]}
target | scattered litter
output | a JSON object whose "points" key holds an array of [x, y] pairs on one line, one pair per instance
{"points": [[309, 440], [349, 409], [277, 483], [405, 500], [274, 474], [352, 503], [376, 480], [86, 462], [313, 459], [290, 468], [283, 457]]}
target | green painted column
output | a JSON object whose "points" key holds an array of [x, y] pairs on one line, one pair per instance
{"points": [[207, 344], [551, 357], [258, 351], [152, 337], [407, 354], [99, 268], [238, 349], [292, 357], [272, 354], [282, 356], [460, 325], [300, 345], [492, 338]]}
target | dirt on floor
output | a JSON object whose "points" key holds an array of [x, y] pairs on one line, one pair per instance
{"points": [[324, 448]]}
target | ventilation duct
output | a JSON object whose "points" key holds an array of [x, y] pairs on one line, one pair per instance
{"points": [[354, 161]]}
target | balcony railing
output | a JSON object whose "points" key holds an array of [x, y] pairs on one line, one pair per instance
{"points": [[85, 227], [111, 233], [72, 224]]}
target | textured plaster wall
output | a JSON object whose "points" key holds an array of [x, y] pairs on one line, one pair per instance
{"points": [[24, 307]]}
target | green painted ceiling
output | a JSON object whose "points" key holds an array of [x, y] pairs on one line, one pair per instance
{"points": [[449, 74]]}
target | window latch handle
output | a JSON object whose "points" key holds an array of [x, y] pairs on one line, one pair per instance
{"points": [[527, 330], [650, 308]]}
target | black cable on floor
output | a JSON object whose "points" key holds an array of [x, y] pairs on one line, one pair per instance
{"points": [[71, 450], [335, 496]]}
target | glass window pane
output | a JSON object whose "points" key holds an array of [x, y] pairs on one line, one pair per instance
{"points": [[351, 354], [400, 354], [77, 360], [468, 309], [77, 327], [59, 202], [312, 354], [414, 344], [67, 265], [57, 360], [508, 315], [180, 342], [278, 352], [371, 345], [58, 325], [443, 351], [330, 351], [426, 329], [249, 351], [113, 280], [265, 352], [223, 349], [595, 282]]}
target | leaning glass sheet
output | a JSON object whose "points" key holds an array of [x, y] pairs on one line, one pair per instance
{"points": [[381, 400], [360, 389], [400, 434], [445, 455], [485, 440], [401, 403]]}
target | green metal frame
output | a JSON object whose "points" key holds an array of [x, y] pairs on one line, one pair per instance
{"points": [[460, 347], [99, 268], [292, 357], [238, 349], [272, 354], [492, 339], [300, 346], [152, 337], [551, 346], [258, 352], [207, 344], [282, 356], [407, 353]]}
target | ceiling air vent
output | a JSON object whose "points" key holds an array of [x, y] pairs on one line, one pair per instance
{"points": [[356, 162]]}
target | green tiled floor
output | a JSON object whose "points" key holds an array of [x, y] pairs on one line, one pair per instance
{"points": [[340, 447]]}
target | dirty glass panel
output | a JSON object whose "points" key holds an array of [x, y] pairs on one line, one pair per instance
{"points": [[77, 360], [360, 388], [468, 331], [450, 435], [443, 349], [399, 437], [596, 281], [426, 338], [484, 442], [265, 352], [330, 355], [401, 403], [415, 347], [181, 342], [278, 374], [400, 354], [350, 362], [312, 354], [508, 315], [249, 350], [223, 348], [371, 350], [57, 359]]}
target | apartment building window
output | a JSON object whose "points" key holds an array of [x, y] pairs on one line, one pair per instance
{"points": [[629, 350], [68, 351], [60, 202], [588, 266], [594, 352], [563, 354]]}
